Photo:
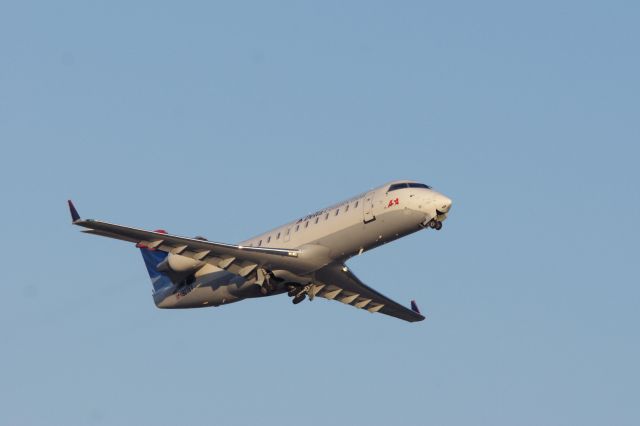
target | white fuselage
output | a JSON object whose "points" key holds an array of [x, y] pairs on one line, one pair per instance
{"points": [[335, 233], [358, 217]]}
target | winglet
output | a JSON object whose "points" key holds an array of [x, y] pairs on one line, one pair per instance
{"points": [[414, 307], [74, 213]]}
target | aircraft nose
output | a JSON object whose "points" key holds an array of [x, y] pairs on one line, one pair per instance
{"points": [[444, 204]]}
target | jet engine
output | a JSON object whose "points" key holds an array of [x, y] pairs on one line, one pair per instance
{"points": [[179, 264]]}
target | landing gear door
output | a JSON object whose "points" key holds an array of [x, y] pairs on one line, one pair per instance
{"points": [[367, 207]]}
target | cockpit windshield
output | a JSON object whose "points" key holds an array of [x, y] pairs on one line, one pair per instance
{"points": [[419, 185], [397, 186]]}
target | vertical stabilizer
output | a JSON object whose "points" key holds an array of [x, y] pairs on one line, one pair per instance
{"points": [[159, 280]]}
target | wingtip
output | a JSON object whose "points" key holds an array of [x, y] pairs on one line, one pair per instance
{"points": [[414, 307], [74, 213]]}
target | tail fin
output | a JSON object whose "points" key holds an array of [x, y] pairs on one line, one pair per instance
{"points": [[159, 280]]}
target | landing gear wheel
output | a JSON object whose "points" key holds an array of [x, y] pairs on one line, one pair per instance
{"points": [[438, 225], [299, 298], [432, 223]]}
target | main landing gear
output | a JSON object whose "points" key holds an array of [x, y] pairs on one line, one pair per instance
{"points": [[267, 282], [299, 293]]}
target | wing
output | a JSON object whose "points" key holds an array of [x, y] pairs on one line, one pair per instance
{"points": [[336, 282], [237, 259]]}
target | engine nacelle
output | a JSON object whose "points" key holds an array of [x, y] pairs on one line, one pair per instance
{"points": [[179, 264]]}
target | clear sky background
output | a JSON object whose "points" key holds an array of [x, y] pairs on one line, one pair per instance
{"points": [[229, 119]]}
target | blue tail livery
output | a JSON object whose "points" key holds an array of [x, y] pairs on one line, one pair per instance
{"points": [[159, 280]]}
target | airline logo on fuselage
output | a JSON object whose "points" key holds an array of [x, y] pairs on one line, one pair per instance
{"points": [[392, 203]]}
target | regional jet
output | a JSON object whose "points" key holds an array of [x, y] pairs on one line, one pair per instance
{"points": [[304, 258]]}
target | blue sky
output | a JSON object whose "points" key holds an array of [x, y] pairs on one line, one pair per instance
{"points": [[228, 119]]}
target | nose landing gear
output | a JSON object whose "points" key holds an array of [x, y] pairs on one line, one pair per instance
{"points": [[434, 224]]}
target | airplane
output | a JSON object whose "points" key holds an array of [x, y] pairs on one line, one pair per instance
{"points": [[304, 258]]}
